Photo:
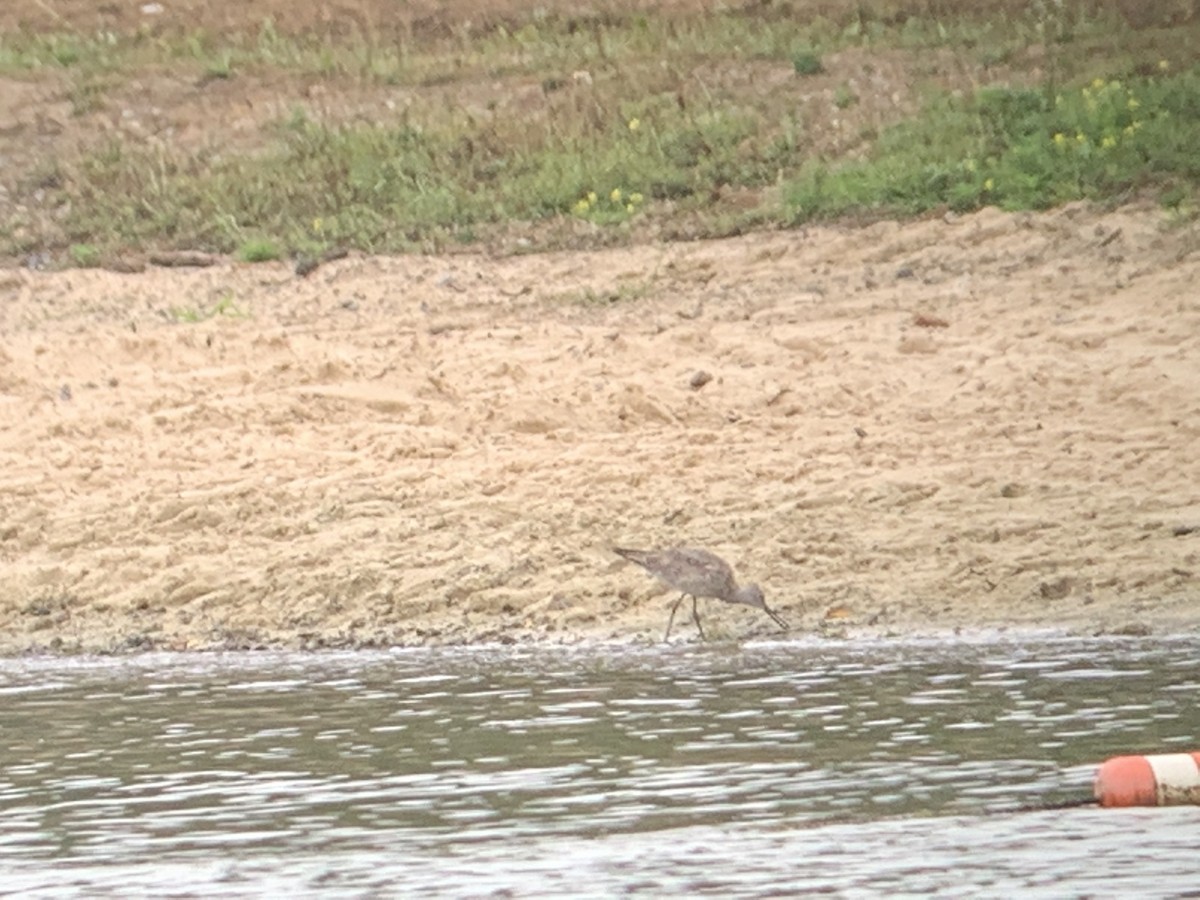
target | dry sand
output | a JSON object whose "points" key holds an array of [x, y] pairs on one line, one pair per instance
{"points": [[991, 421]]}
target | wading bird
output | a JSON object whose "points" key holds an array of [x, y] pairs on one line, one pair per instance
{"points": [[698, 573]]}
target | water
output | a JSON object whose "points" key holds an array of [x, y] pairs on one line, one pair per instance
{"points": [[857, 770]]}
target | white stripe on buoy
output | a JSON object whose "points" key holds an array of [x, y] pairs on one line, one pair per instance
{"points": [[1164, 779]]}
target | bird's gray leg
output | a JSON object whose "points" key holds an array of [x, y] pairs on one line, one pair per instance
{"points": [[696, 617], [674, 607]]}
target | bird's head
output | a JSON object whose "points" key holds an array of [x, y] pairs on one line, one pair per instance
{"points": [[751, 595]]}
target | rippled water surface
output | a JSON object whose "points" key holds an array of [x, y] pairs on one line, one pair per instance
{"points": [[879, 769]]}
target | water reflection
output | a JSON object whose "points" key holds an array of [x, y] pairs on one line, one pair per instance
{"points": [[463, 763]]}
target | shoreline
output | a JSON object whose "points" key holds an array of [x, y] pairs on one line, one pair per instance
{"points": [[944, 639]]}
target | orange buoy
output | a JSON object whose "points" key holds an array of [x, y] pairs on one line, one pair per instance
{"points": [[1166, 779]]}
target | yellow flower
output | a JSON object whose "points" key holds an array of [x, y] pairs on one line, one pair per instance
{"points": [[581, 206], [1133, 104], [1163, 65], [635, 123], [969, 165], [591, 197], [1129, 129], [1060, 139], [629, 208], [989, 184], [615, 196], [635, 198], [1097, 84], [1080, 137], [1109, 141], [317, 226]]}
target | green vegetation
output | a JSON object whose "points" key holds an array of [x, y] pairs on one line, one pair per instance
{"points": [[223, 307], [844, 97], [85, 256], [626, 292], [562, 130], [807, 62], [616, 206], [1020, 149], [384, 188], [259, 250]]}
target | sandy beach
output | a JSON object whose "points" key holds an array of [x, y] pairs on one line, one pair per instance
{"points": [[986, 421]]}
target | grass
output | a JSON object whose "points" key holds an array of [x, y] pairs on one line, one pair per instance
{"points": [[806, 61], [578, 130], [844, 97], [84, 256], [225, 307], [1020, 149], [588, 297], [257, 250], [388, 188]]}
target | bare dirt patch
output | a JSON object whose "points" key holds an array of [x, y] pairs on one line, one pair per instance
{"points": [[983, 422]]}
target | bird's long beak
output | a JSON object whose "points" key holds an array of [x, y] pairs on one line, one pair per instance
{"points": [[779, 620]]}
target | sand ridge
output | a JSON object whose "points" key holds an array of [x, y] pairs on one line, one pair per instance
{"points": [[967, 422]]}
